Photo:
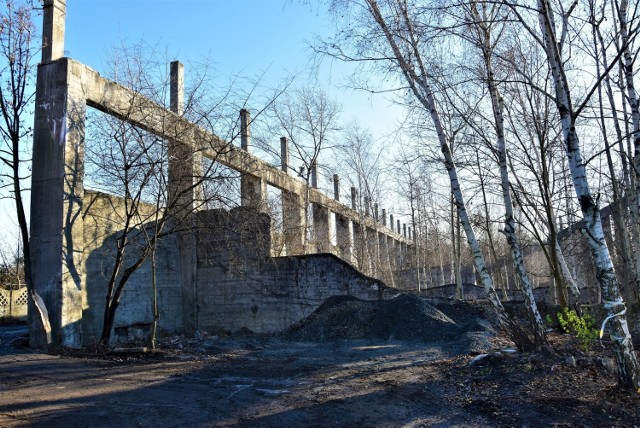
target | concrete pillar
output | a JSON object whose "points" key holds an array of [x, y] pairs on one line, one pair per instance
{"points": [[373, 247], [57, 191], [186, 196], [375, 212], [399, 229], [384, 217], [321, 228], [366, 206], [336, 187], [53, 22], [185, 192], [391, 221], [293, 223], [360, 247], [284, 154], [404, 230], [253, 190], [314, 175], [176, 93], [354, 198], [344, 238]]}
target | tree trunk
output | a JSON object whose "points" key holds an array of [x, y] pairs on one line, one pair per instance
{"points": [[628, 367]]}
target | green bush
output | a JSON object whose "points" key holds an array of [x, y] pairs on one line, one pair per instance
{"points": [[584, 327]]}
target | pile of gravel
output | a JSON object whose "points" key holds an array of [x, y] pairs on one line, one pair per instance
{"points": [[406, 317]]}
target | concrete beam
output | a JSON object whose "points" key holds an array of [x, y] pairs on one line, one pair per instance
{"points": [[126, 104]]}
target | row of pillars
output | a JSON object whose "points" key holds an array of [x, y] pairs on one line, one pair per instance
{"points": [[356, 243]]}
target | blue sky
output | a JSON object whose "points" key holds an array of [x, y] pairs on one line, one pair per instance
{"points": [[246, 38]]}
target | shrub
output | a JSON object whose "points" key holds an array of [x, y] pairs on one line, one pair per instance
{"points": [[584, 327]]}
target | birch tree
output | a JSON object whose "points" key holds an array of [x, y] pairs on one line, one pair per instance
{"points": [[549, 24], [399, 39]]}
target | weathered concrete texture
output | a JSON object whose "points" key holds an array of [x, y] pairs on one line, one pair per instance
{"points": [[103, 217], [281, 292], [239, 286]]}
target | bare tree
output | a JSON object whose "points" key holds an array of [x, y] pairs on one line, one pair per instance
{"points": [[17, 65], [397, 35], [551, 35]]}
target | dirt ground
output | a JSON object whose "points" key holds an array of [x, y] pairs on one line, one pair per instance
{"points": [[327, 371]]}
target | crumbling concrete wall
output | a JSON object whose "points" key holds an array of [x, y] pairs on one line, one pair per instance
{"points": [[103, 219], [240, 287]]}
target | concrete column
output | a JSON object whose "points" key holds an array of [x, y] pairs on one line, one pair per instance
{"points": [[284, 154], [57, 191], [53, 22], [384, 217], [293, 223], [176, 94], [336, 187], [367, 211], [314, 175], [385, 265], [391, 221], [404, 230], [399, 229], [375, 212], [354, 198], [253, 190], [360, 247], [391, 252], [373, 251], [185, 192], [344, 238], [321, 228], [185, 197]]}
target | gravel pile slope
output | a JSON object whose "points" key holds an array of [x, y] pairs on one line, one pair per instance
{"points": [[406, 317]]}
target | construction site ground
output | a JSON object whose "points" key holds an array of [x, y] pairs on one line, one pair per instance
{"points": [[402, 362]]}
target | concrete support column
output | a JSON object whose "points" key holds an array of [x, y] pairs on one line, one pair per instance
{"points": [[321, 228], [384, 217], [336, 187], [53, 22], [57, 230], [391, 252], [366, 206], [399, 229], [314, 175], [185, 192], [375, 212], [293, 223], [284, 154], [354, 198], [391, 221], [186, 196], [360, 247], [385, 263], [344, 238], [373, 245], [253, 190]]}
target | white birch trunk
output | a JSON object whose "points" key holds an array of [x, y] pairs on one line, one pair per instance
{"points": [[628, 367], [417, 77], [634, 105], [484, 34]]}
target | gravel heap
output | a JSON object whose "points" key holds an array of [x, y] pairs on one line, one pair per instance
{"points": [[405, 317]]}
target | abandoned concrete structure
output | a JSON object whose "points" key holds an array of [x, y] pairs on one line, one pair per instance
{"points": [[218, 274]]}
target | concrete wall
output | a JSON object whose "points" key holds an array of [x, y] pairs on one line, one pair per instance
{"points": [[239, 286], [103, 219]]}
